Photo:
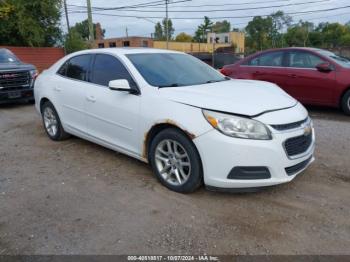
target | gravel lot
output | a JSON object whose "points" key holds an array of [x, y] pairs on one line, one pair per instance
{"points": [[75, 197]]}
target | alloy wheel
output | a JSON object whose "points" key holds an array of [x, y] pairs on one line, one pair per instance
{"points": [[172, 162], [50, 121]]}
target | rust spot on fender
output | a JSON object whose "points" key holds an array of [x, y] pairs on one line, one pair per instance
{"points": [[167, 121], [171, 122]]}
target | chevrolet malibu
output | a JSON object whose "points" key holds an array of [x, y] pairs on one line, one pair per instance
{"points": [[191, 123]]}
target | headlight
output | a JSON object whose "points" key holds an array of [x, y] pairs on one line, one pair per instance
{"points": [[236, 126], [33, 73]]}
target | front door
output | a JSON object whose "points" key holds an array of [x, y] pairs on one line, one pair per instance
{"points": [[305, 82]]}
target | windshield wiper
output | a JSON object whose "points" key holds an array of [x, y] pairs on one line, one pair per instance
{"points": [[170, 85]]}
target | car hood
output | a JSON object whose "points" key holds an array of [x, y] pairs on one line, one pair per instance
{"points": [[15, 66], [243, 97]]}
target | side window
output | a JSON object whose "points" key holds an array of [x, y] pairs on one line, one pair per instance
{"points": [[78, 67], [107, 68], [63, 69], [269, 59], [303, 59], [254, 62]]}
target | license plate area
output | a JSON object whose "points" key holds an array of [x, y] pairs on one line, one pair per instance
{"points": [[14, 94]]}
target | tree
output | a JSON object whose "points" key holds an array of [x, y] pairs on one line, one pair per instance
{"points": [[279, 21], [222, 27], [161, 28], [74, 42], [334, 34], [259, 33], [30, 23], [298, 35], [82, 28], [202, 30], [183, 37], [170, 27], [158, 32]]}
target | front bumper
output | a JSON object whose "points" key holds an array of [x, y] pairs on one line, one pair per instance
{"points": [[16, 95], [220, 154]]}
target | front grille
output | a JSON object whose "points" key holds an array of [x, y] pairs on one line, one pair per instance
{"points": [[292, 170], [14, 80], [290, 125], [298, 145]]}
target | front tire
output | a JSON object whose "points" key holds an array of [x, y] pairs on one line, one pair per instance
{"points": [[175, 161], [52, 122], [345, 103]]}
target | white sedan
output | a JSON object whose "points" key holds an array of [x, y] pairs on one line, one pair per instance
{"points": [[191, 123]]}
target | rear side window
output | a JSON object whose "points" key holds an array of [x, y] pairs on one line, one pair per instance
{"points": [[62, 71], [301, 59], [76, 68], [269, 59], [107, 68]]}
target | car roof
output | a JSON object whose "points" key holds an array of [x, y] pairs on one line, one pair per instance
{"points": [[127, 50], [292, 48]]}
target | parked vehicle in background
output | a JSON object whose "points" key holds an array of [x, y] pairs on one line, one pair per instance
{"points": [[191, 123], [312, 76], [16, 78]]}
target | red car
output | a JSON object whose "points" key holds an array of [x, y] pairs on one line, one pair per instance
{"points": [[312, 76]]}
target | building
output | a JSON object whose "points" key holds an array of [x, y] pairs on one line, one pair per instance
{"points": [[230, 41], [237, 39], [190, 47], [132, 41]]}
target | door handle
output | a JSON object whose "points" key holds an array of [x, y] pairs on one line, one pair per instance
{"points": [[91, 99], [57, 89], [292, 75]]}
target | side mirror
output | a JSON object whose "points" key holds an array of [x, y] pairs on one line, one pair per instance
{"points": [[324, 67], [120, 85]]}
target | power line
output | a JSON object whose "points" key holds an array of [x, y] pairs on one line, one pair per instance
{"points": [[174, 5], [219, 17], [234, 4], [224, 10], [149, 4]]}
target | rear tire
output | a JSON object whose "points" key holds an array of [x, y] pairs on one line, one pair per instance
{"points": [[52, 123], [345, 103], [175, 161]]}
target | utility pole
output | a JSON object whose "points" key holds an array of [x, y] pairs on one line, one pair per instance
{"points": [[66, 12], [91, 26], [213, 53], [166, 24]]}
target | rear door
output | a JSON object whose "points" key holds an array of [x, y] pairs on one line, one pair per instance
{"points": [[112, 116], [265, 67], [305, 82], [70, 91]]}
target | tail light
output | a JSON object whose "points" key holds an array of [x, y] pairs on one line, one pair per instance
{"points": [[225, 71]]}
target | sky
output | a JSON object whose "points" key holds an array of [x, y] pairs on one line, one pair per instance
{"points": [[144, 25]]}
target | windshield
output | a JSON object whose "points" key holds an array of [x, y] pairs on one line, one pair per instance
{"points": [[7, 57], [343, 61], [170, 69]]}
